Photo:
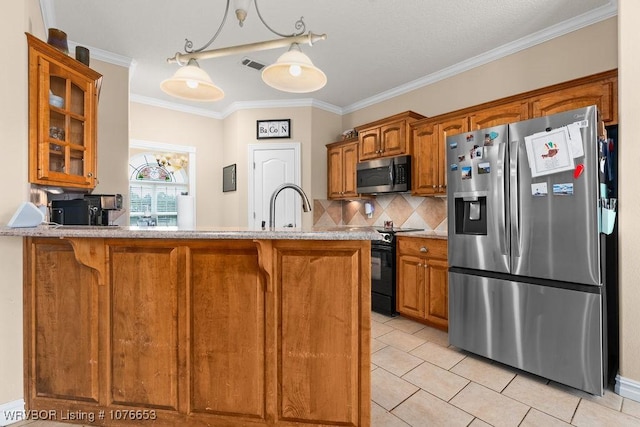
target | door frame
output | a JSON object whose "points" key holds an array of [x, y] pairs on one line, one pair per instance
{"points": [[172, 148], [251, 148]]}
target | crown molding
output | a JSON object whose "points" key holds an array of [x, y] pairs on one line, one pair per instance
{"points": [[605, 12], [155, 102], [236, 106], [573, 24]]}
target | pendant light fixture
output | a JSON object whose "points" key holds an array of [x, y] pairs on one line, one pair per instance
{"points": [[292, 72], [192, 83]]}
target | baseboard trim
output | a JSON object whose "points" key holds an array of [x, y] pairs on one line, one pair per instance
{"points": [[627, 388], [12, 412]]}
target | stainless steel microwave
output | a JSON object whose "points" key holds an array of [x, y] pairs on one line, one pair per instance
{"points": [[387, 175]]}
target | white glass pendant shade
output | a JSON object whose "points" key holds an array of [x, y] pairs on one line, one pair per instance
{"points": [[192, 83], [294, 72]]}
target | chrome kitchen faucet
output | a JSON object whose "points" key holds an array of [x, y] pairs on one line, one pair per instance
{"points": [[306, 206]]}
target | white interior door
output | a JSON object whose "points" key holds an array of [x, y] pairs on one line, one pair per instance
{"points": [[271, 165]]}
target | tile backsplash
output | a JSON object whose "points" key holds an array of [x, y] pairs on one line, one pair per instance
{"points": [[428, 213]]}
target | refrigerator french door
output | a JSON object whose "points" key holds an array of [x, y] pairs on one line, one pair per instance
{"points": [[525, 280]]}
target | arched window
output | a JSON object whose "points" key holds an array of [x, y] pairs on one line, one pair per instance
{"points": [[153, 190]]}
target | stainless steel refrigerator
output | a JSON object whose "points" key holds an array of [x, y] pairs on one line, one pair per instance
{"points": [[526, 281]]}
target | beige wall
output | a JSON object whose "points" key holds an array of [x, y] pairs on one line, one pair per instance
{"points": [[224, 142], [113, 129], [581, 53], [155, 124], [18, 16], [629, 206]]}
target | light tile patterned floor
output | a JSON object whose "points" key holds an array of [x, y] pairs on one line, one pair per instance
{"points": [[418, 380]]}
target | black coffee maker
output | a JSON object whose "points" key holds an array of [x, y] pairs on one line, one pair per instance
{"points": [[92, 209]]}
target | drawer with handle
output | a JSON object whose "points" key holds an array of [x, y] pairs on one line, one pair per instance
{"points": [[423, 247]]}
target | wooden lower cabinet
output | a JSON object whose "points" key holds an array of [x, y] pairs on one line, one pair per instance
{"points": [[422, 283], [198, 332]]}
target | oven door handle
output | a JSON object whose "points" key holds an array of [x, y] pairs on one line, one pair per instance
{"points": [[382, 248]]}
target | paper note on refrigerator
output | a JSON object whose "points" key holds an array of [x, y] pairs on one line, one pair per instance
{"points": [[549, 152], [575, 139]]}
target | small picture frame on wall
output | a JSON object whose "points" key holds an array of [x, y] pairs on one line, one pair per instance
{"points": [[229, 178], [267, 129]]}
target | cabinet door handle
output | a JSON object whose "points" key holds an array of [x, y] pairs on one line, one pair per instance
{"points": [[419, 264], [423, 249], [90, 174]]}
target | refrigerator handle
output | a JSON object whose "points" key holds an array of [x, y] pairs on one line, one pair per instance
{"points": [[501, 196], [515, 197]]}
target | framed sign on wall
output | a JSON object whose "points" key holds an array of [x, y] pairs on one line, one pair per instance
{"points": [[267, 129], [229, 178]]}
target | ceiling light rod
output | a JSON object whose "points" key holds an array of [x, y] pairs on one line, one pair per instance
{"points": [[241, 14], [183, 58]]}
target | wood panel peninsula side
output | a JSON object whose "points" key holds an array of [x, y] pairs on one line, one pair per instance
{"points": [[197, 328]]}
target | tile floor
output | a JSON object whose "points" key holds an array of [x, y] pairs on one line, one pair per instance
{"points": [[418, 380]]}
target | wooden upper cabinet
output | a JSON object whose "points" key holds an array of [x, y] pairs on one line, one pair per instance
{"points": [[369, 143], [499, 115], [387, 137], [393, 138], [342, 159], [429, 173], [601, 93], [63, 102]]}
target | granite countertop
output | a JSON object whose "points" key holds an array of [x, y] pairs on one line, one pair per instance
{"points": [[131, 232]]}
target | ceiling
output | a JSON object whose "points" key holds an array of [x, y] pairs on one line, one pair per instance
{"points": [[374, 49]]}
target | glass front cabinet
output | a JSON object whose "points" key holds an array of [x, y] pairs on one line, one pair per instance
{"points": [[63, 107]]}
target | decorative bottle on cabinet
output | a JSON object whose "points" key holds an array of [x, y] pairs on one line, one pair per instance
{"points": [[63, 107]]}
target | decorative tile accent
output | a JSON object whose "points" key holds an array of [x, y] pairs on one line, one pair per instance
{"points": [[433, 211], [335, 211], [318, 211], [399, 210], [427, 213]]}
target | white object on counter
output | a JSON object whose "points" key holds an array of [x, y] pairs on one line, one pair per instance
{"points": [[186, 210], [27, 215]]}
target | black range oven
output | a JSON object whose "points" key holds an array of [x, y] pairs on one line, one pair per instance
{"points": [[383, 271]]}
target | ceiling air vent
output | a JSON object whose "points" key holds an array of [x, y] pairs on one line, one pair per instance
{"points": [[252, 64]]}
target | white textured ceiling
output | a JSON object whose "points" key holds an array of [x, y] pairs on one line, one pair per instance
{"points": [[374, 47]]}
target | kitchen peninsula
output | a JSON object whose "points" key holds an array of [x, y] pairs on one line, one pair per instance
{"points": [[198, 327]]}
